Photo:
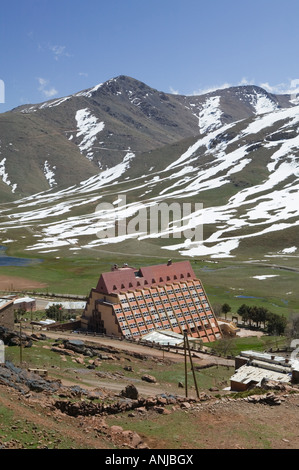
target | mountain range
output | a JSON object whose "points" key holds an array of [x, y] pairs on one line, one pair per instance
{"points": [[235, 151]]}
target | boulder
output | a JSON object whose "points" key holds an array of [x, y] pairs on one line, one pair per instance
{"points": [[149, 378], [130, 392]]}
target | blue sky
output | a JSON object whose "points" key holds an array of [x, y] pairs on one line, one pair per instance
{"points": [[52, 48]]}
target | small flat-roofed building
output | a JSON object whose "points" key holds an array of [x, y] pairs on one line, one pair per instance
{"points": [[130, 303], [7, 313], [251, 367], [26, 303]]}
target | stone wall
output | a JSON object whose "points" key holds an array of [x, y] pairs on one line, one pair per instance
{"points": [[7, 316]]}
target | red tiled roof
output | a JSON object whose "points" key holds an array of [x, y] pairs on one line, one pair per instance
{"points": [[123, 279]]}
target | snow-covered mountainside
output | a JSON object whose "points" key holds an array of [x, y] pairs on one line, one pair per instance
{"points": [[94, 129], [236, 178]]}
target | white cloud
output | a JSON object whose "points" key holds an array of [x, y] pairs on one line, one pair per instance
{"points": [[51, 92], [59, 51], [288, 88], [210, 89], [173, 91], [47, 92], [245, 82], [291, 87]]}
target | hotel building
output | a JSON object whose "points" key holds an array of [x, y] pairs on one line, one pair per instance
{"points": [[130, 303]]}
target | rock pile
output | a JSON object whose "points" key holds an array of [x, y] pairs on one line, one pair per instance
{"points": [[12, 338], [123, 404], [267, 399], [24, 381]]}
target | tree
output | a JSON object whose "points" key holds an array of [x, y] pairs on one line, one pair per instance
{"points": [[292, 329], [276, 324], [225, 309], [244, 312], [20, 312], [217, 309], [258, 315], [224, 346], [55, 312]]}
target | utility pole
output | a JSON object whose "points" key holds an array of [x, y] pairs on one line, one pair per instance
{"points": [[185, 353], [192, 367], [187, 345], [21, 352]]}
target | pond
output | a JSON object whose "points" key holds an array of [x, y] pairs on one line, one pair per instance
{"points": [[12, 261], [247, 297]]}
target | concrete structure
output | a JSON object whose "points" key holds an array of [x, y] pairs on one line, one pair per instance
{"points": [[252, 367], [130, 303], [166, 338], [7, 313], [228, 328], [26, 303]]}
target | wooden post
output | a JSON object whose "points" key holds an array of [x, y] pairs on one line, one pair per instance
{"points": [[21, 353], [185, 353], [193, 371]]}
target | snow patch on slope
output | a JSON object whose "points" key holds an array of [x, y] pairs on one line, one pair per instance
{"points": [[210, 115], [90, 92], [88, 127], [264, 105], [49, 174], [4, 176]]}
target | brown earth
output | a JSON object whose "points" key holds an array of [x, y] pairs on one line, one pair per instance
{"points": [[215, 421], [216, 424], [11, 283]]}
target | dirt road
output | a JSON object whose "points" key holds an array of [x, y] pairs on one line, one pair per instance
{"points": [[198, 358]]}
